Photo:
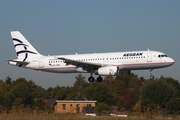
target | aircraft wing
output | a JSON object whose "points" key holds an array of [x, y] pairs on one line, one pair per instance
{"points": [[85, 65]]}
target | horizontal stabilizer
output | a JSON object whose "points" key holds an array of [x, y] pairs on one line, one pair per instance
{"points": [[17, 63]]}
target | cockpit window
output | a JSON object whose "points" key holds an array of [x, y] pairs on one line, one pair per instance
{"points": [[162, 56]]}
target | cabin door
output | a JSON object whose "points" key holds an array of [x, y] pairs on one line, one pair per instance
{"points": [[149, 56], [41, 63]]}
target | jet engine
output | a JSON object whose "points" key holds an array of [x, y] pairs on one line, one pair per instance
{"points": [[109, 70], [112, 70]]}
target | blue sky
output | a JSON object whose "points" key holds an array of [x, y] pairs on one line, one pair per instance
{"points": [[82, 26]]}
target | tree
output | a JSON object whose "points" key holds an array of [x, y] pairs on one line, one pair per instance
{"points": [[78, 89], [134, 87], [60, 93], [5, 95], [173, 105], [103, 93], [90, 90], [80, 83], [157, 92], [172, 81], [129, 99], [8, 80], [22, 91]]}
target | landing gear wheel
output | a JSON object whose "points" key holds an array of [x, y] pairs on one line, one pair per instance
{"points": [[91, 79], [99, 79], [151, 77]]}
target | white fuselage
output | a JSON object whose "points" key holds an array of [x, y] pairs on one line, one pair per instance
{"points": [[133, 60], [112, 63]]}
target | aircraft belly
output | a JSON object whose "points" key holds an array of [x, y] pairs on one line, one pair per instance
{"points": [[62, 70], [145, 66]]}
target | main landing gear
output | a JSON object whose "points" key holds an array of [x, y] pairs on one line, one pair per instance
{"points": [[91, 79], [99, 79], [151, 76]]}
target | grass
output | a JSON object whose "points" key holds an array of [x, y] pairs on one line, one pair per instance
{"points": [[28, 114], [53, 116]]}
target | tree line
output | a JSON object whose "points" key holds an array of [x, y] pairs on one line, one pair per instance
{"points": [[130, 93]]}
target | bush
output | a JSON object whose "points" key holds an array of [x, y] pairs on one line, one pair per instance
{"points": [[173, 105], [101, 109]]}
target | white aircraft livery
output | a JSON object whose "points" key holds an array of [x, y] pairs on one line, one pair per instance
{"points": [[102, 64]]}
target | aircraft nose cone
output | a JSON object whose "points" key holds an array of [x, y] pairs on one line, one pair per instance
{"points": [[171, 61]]}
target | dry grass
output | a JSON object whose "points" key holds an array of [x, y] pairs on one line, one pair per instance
{"points": [[53, 116], [28, 114]]}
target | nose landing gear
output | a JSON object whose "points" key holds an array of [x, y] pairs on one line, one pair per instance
{"points": [[151, 76]]}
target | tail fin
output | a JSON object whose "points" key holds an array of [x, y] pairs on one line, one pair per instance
{"points": [[23, 48]]}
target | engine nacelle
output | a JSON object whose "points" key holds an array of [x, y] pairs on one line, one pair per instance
{"points": [[109, 70]]}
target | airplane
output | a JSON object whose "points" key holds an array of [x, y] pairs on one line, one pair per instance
{"points": [[102, 64]]}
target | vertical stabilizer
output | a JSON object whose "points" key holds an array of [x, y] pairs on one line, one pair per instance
{"points": [[23, 48]]}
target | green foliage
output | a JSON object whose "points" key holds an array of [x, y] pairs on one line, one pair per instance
{"points": [[157, 92], [8, 80], [77, 91], [38, 104], [80, 83], [20, 93], [173, 106], [125, 92], [172, 81], [101, 108], [115, 92], [104, 94], [57, 92], [90, 90]]}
